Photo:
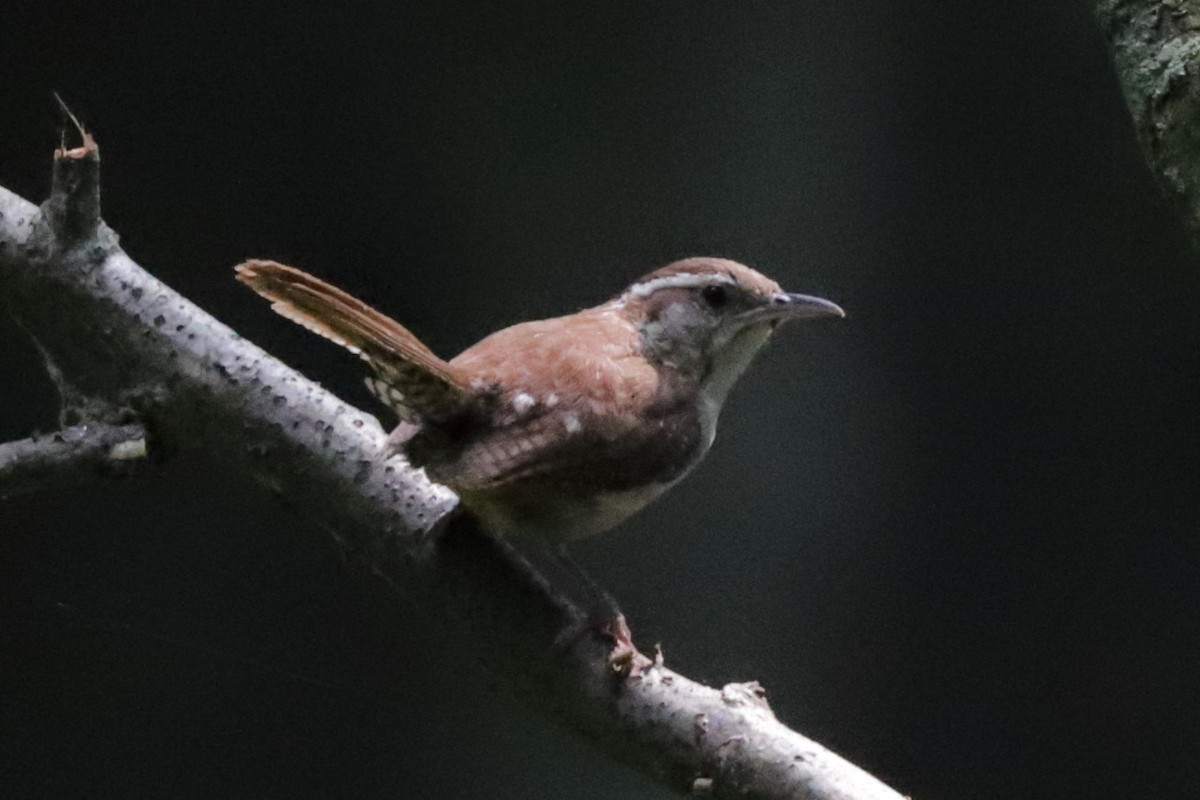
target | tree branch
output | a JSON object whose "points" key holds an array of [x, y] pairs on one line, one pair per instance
{"points": [[75, 453], [1156, 48], [119, 337]]}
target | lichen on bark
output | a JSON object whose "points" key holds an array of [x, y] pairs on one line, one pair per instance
{"points": [[1156, 50]]}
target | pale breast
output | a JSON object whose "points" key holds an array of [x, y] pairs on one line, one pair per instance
{"points": [[556, 517]]}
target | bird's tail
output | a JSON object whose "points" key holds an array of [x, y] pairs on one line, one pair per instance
{"points": [[409, 377]]}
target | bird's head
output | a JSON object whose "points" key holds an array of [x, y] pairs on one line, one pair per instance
{"points": [[706, 318]]}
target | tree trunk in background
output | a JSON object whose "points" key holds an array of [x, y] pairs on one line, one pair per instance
{"points": [[1156, 48]]}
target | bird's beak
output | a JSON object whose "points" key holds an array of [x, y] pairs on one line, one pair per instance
{"points": [[785, 307]]}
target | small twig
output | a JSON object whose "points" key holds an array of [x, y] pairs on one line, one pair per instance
{"points": [[83, 134], [77, 453], [73, 209]]}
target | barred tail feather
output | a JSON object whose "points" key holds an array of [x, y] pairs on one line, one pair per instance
{"points": [[411, 378]]}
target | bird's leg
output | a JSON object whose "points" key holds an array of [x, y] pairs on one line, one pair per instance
{"points": [[603, 614], [596, 596]]}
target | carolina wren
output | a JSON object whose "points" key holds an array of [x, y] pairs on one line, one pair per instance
{"points": [[561, 428]]}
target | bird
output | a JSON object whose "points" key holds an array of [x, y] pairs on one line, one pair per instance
{"points": [[560, 429]]}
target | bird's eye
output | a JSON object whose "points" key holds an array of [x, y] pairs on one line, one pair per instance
{"points": [[715, 296]]}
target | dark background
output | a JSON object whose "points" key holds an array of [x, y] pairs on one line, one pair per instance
{"points": [[954, 536]]}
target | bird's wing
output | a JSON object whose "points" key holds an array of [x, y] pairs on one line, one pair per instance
{"points": [[596, 452], [409, 377], [574, 402]]}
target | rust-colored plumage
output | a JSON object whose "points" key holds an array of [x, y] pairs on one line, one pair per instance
{"points": [[422, 385], [559, 428]]}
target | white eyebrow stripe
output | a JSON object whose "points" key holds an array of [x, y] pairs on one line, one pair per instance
{"points": [[682, 280]]}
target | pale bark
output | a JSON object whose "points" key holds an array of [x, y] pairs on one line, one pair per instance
{"points": [[75, 453], [117, 338]]}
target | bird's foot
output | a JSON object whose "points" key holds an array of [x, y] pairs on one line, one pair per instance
{"points": [[625, 659], [608, 624], [614, 627]]}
